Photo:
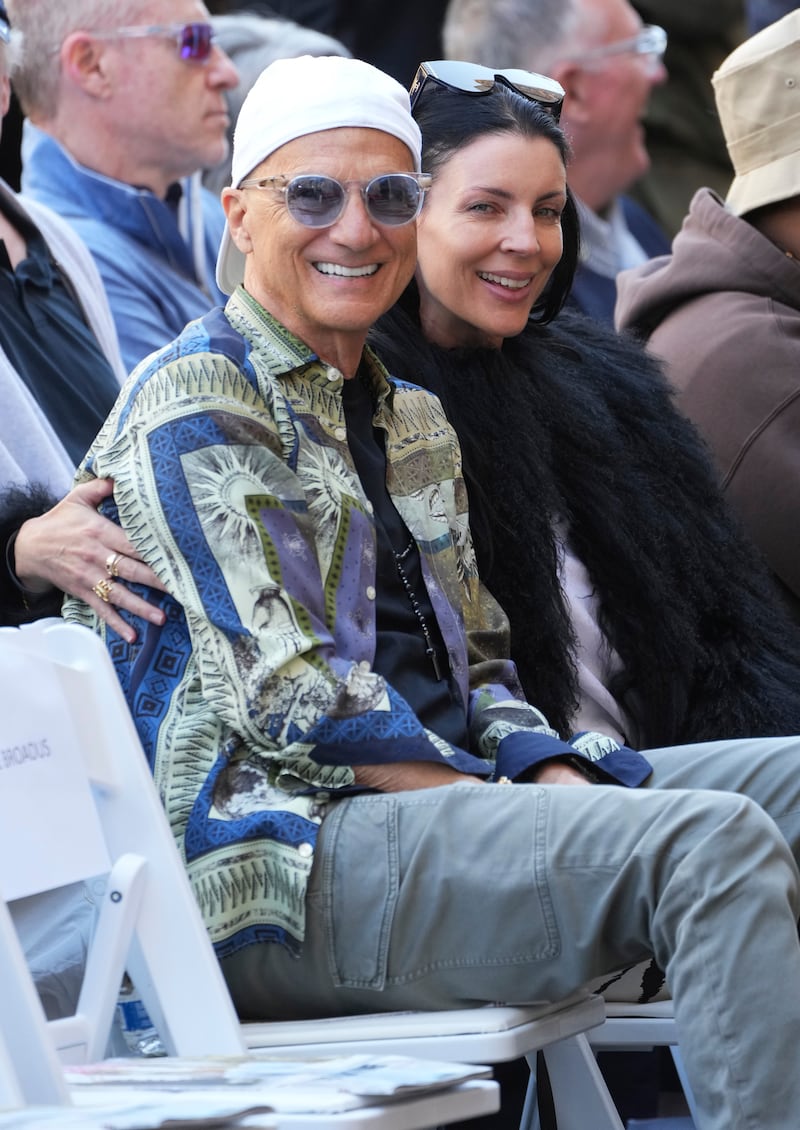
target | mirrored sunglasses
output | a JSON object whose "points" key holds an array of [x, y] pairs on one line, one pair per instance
{"points": [[5, 29], [317, 201], [474, 79], [194, 41]]}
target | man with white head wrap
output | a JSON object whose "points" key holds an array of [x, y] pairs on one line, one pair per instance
{"points": [[329, 709]]}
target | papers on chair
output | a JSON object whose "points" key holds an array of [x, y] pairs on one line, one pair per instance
{"points": [[278, 1083], [204, 1109], [132, 1110], [176, 1093]]}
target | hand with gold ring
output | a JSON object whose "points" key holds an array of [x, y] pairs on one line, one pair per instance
{"points": [[71, 544], [103, 589]]}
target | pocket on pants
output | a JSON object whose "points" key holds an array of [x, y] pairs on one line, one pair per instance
{"points": [[439, 883], [360, 891]]}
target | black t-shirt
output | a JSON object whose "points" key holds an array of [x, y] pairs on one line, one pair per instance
{"points": [[400, 652], [46, 338]]}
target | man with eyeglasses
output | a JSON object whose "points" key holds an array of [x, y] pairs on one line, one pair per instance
{"points": [[125, 105], [329, 709], [608, 63], [60, 372]]}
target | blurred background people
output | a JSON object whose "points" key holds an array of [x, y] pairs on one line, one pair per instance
{"points": [[723, 310], [608, 64], [126, 104], [60, 373], [684, 138], [393, 37], [60, 370], [760, 13]]}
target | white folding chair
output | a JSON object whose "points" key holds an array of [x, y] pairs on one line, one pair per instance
{"points": [[58, 687], [31, 1073], [640, 1027], [78, 803]]}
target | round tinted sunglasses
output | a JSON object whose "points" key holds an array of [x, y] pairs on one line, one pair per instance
{"points": [[317, 201], [472, 78], [194, 41]]}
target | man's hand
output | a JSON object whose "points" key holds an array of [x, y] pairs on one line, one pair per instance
{"points": [[558, 773], [402, 776], [68, 547]]}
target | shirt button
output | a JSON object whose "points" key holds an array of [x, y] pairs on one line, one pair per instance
{"points": [[371, 594], [334, 374], [340, 433], [370, 509], [305, 850]]}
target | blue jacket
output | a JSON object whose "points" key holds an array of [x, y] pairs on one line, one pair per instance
{"points": [[157, 278], [595, 294]]}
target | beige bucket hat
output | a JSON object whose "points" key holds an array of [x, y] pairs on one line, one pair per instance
{"points": [[757, 90]]}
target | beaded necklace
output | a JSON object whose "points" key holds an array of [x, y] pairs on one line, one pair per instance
{"points": [[430, 650]]}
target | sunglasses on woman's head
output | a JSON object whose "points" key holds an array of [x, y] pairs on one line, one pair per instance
{"points": [[473, 79]]}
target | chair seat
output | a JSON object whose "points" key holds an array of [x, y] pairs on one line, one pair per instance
{"points": [[654, 1009], [494, 1033], [636, 1026]]}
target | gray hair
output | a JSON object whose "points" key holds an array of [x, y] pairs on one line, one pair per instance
{"points": [[39, 27], [253, 42], [530, 34]]}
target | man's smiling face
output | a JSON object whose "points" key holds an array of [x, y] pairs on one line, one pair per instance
{"points": [[325, 284]]}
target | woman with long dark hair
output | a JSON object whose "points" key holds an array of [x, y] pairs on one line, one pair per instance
{"points": [[637, 606]]}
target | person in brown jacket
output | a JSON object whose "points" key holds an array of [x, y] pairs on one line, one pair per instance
{"points": [[723, 310]]}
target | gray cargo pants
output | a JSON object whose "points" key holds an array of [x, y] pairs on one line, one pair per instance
{"points": [[471, 893]]}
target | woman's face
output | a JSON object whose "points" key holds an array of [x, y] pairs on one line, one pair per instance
{"points": [[489, 236]]}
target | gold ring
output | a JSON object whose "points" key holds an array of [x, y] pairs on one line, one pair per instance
{"points": [[112, 561], [103, 589]]}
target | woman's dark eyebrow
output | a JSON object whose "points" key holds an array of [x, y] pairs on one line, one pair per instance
{"points": [[504, 194], [501, 192]]}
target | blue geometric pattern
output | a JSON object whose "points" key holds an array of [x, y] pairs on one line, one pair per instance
{"points": [[204, 833], [167, 444], [257, 696]]}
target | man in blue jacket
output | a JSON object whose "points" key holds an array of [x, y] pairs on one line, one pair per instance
{"points": [[123, 113]]}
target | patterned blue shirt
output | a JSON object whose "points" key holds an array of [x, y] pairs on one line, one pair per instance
{"points": [[234, 479]]}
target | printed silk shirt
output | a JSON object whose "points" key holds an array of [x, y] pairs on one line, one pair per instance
{"points": [[234, 480]]}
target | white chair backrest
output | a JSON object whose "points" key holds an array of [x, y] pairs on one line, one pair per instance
{"points": [[77, 800]]}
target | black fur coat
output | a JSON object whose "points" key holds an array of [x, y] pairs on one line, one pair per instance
{"points": [[573, 422], [17, 504]]}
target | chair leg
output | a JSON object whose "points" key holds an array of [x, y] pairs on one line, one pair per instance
{"points": [[538, 1112], [530, 1110], [677, 1059], [580, 1095]]}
